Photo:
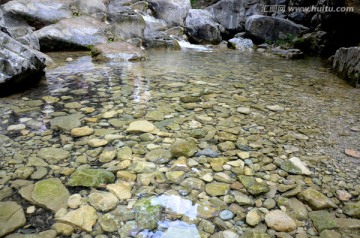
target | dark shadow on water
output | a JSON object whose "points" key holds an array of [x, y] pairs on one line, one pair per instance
{"points": [[21, 85]]}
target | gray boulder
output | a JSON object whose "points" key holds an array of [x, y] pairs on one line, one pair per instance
{"points": [[126, 23], [118, 52], [72, 34], [160, 40], [240, 44], [201, 27], [39, 13], [19, 30], [93, 8], [271, 29], [346, 64], [172, 11], [18, 63]]}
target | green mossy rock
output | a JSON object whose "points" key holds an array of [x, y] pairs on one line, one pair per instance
{"points": [[91, 177], [147, 215], [323, 220], [253, 186]]}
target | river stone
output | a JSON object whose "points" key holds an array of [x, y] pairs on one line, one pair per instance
{"points": [[180, 231], [253, 186], [17, 127], [93, 8], [53, 155], [147, 215], [352, 209], [329, 234], [290, 167], [252, 233], [253, 217], [84, 217], [242, 199], [349, 152], [183, 148], [66, 123], [50, 193], [141, 126], [226, 215], [175, 176], [159, 156], [97, 142], [103, 201], [81, 131], [12, 217], [75, 33], [279, 221], [117, 52], [193, 183], [316, 199], [323, 220], [121, 190], [217, 189], [275, 108], [90, 177], [207, 210], [298, 163]]}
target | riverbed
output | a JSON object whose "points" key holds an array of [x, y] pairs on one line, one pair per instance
{"points": [[207, 119]]}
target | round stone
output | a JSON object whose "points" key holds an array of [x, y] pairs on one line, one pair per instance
{"points": [[279, 221], [226, 215]]}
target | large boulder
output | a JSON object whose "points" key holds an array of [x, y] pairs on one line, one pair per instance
{"points": [[94, 8], [72, 34], [18, 64], [232, 14], [39, 13], [266, 28], [172, 11], [117, 52], [346, 64], [126, 23], [201, 27]]}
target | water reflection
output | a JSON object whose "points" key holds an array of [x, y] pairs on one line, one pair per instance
{"points": [[177, 205]]}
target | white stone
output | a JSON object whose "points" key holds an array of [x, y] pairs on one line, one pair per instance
{"points": [[141, 126], [17, 127], [298, 163]]}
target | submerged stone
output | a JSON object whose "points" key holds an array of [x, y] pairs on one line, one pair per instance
{"points": [[316, 199], [50, 193], [66, 123], [183, 148], [253, 186], [53, 155], [84, 217], [11, 217], [147, 215], [91, 177]]}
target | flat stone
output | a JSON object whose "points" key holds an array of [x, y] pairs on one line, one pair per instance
{"points": [[323, 220], [84, 218], [72, 105], [141, 126], [97, 142], [217, 189], [103, 201], [316, 199], [174, 176], [109, 114], [66, 123], [193, 183], [121, 190], [12, 217], [183, 148], [82, 131], [343, 195], [280, 221], [147, 215], [290, 167], [298, 163], [50, 193], [207, 210], [118, 52], [352, 153], [275, 108], [53, 155], [91, 177], [159, 156], [329, 234], [244, 110], [352, 209], [253, 186], [17, 127]]}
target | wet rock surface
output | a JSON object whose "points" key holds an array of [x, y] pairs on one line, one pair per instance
{"points": [[203, 149]]}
